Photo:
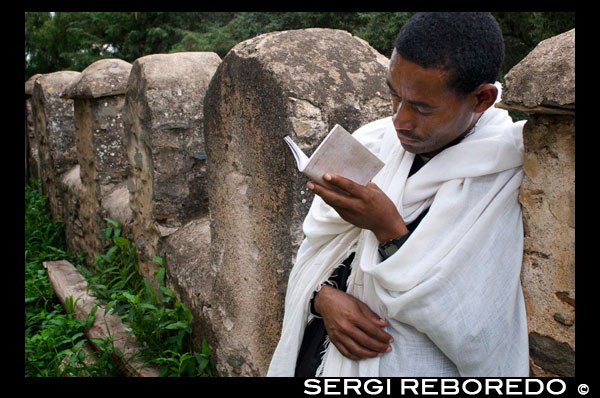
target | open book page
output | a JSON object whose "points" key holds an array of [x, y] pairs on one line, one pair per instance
{"points": [[301, 158], [338, 153]]}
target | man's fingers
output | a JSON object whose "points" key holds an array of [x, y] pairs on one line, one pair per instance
{"points": [[373, 185], [372, 325], [372, 334], [351, 325], [361, 351], [351, 348], [344, 350], [375, 319], [362, 334], [345, 184], [331, 197], [366, 344]]}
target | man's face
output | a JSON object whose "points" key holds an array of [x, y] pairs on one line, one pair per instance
{"points": [[427, 116]]}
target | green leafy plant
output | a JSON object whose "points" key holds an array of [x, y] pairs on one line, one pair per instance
{"points": [[160, 322], [55, 338]]}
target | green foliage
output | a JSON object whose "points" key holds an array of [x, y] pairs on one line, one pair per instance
{"points": [[160, 322], [73, 40], [53, 346], [523, 31], [380, 29], [54, 338], [44, 241]]}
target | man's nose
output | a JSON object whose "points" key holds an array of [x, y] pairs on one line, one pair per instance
{"points": [[402, 118]]}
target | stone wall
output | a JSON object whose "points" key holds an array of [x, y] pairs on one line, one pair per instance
{"points": [[99, 95], [32, 157], [165, 146], [298, 83], [54, 125], [201, 175], [543, 84], [228, 262]]}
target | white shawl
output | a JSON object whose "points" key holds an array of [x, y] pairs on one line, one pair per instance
{"points": [[456, 280]]}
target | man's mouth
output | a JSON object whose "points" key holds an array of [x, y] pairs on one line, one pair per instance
{"points": [[405, 139]]}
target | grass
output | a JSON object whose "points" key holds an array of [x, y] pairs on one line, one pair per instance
{"points": [[54, 338]]}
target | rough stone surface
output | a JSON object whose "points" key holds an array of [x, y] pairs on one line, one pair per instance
{"points": [[29, 84], [32, 157], [544, 85], [31, 144], [298, 83], [165, 145], [71, 190], [552, 356], [115, 205], [99, 97], [55, 131], [548, 199], [101, 142], [190, 275], [105, 77], [544, 81]]}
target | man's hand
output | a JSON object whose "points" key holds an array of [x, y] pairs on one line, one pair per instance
{"points": [[366, 207], [352, 327]]}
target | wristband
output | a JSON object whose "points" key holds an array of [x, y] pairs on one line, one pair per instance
{"points": [[388, 248]]}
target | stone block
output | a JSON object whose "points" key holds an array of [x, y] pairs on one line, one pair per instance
{"points": [[553, 357], [32, 156], [103, 78], [99, 96], [67, 282], [190, 275], [548, 199], [71, 190], [115, 205], [543, 84], [544, 81], [165, 145], [298, 83], [54, 126], [29, 85]]}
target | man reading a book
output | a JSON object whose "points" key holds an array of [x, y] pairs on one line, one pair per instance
{"points": [[418, 272]]}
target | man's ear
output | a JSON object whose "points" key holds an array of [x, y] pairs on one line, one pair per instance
{"points": [[485, 94]]}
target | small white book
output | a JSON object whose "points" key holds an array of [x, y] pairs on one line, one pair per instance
{"points": [[339, 153]]}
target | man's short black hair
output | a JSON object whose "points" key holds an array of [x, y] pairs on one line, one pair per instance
{"points": [[468, 45]]}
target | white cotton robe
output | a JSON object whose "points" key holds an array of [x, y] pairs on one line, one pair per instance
{"points": [[452, 292]]}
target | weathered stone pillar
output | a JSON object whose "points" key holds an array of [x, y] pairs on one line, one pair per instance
{"points": [[298, 83], [189, 273], [543, 84], [165, 146], [55, 128], [71, 192], [99, 95], [32, 157]]}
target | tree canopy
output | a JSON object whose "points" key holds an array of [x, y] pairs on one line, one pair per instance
{"points": [[74, 40]]}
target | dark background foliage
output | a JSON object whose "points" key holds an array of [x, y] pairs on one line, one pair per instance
{"points": [[74, 40]]}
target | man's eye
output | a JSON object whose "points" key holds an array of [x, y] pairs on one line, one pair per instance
{"points": [[422, 112]]}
